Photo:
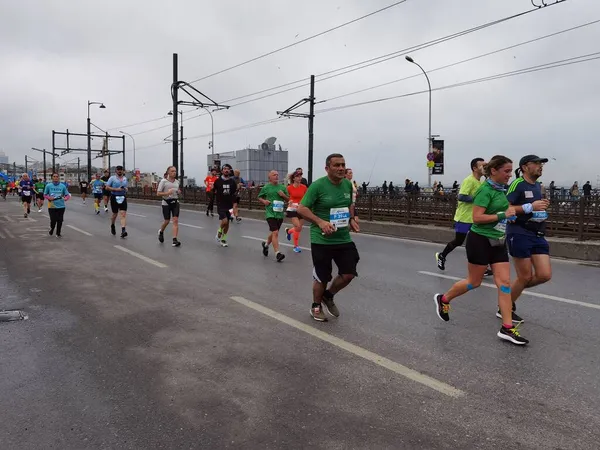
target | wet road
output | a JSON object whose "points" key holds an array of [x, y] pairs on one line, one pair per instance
{"points": [[133, 344]]}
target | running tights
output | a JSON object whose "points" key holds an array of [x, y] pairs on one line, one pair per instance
{"points": [[459, 238], [56, 218], [211, 201]]}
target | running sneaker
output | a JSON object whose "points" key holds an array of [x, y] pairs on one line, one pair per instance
{"points": [[218, 238], [441, 261], [161, 237], [113, 230], [97, 211], [238, 219], [441, 308], [330, 306], [512, 335], [51, 231], [317, 313], [265, 249], [58, 235], [488, 273], [106, 209], [123, 234], [297, 250], [224, 243], [176, 243], [279, 256], [40, 210], [515, 317], [207, 213], [287, 234]]}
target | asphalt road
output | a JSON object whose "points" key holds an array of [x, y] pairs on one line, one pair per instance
{"points": [[131, 344]]}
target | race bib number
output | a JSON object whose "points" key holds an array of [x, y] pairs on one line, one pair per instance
{"points": [[26, 193], [120, 199], [277, 206], [539, 216], [339, 217], [293, 207], [97, 189], [501, 226]]}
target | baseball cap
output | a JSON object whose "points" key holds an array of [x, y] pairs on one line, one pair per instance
{"points": [[532, 158], [119, 167]]}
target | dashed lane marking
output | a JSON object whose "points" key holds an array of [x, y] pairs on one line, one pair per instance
{"points": [[533, 294], [80, 230], [142, 257], [386, 363], [191, 226]]}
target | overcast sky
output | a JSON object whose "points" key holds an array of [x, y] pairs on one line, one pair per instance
{"points": [[56, 55]]}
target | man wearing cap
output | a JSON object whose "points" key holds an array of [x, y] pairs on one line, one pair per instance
{"points": [[117, 186], [303, 181], [526, 234]]}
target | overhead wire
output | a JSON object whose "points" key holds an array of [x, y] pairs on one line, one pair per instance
{"points": [[272, 52]]}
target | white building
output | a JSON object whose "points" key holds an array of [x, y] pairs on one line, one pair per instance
{"points": [[3, 158]]}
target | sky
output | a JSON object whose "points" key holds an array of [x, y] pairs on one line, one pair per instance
{"points": [[55, 56]]}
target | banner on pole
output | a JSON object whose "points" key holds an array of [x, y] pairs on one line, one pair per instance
{"points": [[437, 148]]}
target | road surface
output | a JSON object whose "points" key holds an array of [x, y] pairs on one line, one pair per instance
{"points": [[131, 344]]}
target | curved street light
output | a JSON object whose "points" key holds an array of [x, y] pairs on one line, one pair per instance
{"points": [[429, 138], [89, 137]]}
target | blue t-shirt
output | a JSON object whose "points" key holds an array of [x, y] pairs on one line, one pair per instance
{"points": [[519, 193], [97, 186], [116, 182], [59, 192], [26, 188]]}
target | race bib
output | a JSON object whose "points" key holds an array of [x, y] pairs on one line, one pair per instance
{"points": [[97, 189], [501, 226], [277, 206], [539, 216], [293, 207], [120, 198], [26, 193], [339, 217]]}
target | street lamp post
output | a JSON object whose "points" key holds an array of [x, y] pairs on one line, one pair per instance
{"points": [[212, 136], [181, 170], [89, 138], [132, 138], [429, 138]]}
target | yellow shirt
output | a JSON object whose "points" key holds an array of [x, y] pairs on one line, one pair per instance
{"points": [[464, 211]]}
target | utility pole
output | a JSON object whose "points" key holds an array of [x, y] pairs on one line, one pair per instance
{"points": [[174, 95], [54, 154], [25, 163], [181, 153], [310, 116], [78, 169]]}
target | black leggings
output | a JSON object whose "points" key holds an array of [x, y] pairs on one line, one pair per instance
{"points": [[56, 218], [459, 239], [211, 200]]}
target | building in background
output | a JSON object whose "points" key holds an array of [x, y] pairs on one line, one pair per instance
{"points": [[255, 164], [3, 159]]}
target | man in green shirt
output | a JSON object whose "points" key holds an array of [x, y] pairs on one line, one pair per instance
{"points": [[328, 205], [3, 187], [272, 195], [463, 218], [39, 187]]}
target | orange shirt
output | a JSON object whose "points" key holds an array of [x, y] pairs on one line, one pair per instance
{"points": [[209, 182], [296, 194]]}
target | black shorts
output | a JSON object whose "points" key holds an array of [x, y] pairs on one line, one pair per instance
{"points": [[345, 256], [84, 191], [224, 213], [291, 214], [26, 198], [39, 196], [481, 252], [274, 224], [105, 194], [116, 207], [171, 209], [98, 196]]}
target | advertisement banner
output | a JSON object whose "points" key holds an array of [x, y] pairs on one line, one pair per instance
{"points": [[438, 156]]}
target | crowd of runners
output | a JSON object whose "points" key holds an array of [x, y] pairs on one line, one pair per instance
{"points": [[494, 218]]}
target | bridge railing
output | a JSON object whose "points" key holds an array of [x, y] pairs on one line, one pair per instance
{"points": [[568, 217]]}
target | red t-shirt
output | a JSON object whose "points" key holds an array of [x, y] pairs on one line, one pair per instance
{"points": [[296, 194], [209, 182]]}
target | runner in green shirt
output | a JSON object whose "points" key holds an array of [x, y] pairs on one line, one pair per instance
{"points": [[39, 187], [486, 245], [272, 195], [3, 187], [328, 205]]}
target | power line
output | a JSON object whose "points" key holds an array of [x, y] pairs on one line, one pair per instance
{"points": [[300, 41], [552, 65], [464, 60], [357, 66]]}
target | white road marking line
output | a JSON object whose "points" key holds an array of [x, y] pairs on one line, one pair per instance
{"points": [[142, 257], [80, 230], [2, 236], [356, 350], [280, 243], [191, 226], [136, 215], [534, 294], [9, 234]]}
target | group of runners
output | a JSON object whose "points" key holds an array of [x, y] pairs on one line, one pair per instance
{"points": [[497, 219], [493, 217]]}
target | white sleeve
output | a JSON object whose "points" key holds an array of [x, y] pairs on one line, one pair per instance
{"points": [[161, 185]]}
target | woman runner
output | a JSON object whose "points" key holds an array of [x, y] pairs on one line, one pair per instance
{"points": [[168, 189], [296, 190], [486, 244]]}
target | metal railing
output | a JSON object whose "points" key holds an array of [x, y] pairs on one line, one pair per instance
{"points": [[573, 218]]}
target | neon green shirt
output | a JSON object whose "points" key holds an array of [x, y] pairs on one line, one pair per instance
{"points": [[494, 201], [464, 211]]}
